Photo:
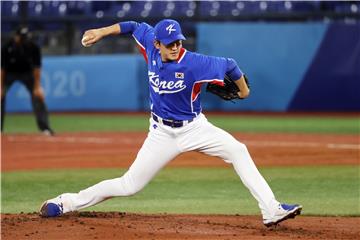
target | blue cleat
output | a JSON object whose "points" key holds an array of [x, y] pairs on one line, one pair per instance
{"points": [[283, 212], [51, 209]]}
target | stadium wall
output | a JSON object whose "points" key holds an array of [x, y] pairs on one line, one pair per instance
{"points": [[291, 66]]}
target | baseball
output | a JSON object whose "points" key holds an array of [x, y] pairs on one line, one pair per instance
{"points": [[83, 41]]}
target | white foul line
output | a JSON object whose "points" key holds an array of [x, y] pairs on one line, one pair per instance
{"points": [[343, 146], [126, 140], [55, 139], [303, 144]]}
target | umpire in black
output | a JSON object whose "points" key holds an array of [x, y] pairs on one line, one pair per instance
{"points": [[21, 61]]}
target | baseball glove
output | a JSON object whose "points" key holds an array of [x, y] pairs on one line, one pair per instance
{"points": [[228, 91]]}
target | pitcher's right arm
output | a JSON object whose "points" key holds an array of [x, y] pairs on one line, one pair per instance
{"points": [[92, 36]]}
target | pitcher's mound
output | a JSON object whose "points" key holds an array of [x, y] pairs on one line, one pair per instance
{"points": [[116, 225]]}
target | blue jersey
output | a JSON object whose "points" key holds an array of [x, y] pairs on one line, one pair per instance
{"points": [[175, 86]]}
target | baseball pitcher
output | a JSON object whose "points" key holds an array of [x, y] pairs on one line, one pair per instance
{"points": [[177, 124]]}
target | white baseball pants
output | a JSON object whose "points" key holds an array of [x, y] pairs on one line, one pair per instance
{"points": [[163, 144]]}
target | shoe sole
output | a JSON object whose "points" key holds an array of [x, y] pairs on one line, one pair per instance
{"points": [[292, 214]]}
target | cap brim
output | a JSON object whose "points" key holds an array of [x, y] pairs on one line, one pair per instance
{"points": [[167, 41]]}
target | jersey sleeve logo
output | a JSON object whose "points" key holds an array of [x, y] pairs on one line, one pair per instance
{"points": [[170, 28], [162, 87]]}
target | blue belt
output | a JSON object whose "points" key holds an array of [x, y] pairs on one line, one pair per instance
{"points": [[171, 123]]}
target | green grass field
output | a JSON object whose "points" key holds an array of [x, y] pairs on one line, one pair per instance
{"points": [[322, 190], [19, 123]]}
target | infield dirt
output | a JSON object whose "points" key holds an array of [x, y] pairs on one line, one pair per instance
{"points": [[115, 150], [90, 225]]}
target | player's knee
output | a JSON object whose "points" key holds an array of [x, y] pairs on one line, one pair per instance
{"points": [[234, 150], [135, 188], [132, 186], [132, 191], [241, 147]]}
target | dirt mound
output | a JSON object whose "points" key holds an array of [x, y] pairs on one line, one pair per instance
{"points": [[117, 225]]}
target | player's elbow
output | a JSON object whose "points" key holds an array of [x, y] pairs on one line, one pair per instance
{"points": [[244, 93]]}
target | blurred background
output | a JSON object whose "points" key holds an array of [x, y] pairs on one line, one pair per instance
{"points": [[299, 56]]}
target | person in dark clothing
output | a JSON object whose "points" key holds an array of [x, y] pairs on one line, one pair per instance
{"points": [[21, 61]]}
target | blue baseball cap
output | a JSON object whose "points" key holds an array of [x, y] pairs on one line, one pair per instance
{"points": [[168, 31]]}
